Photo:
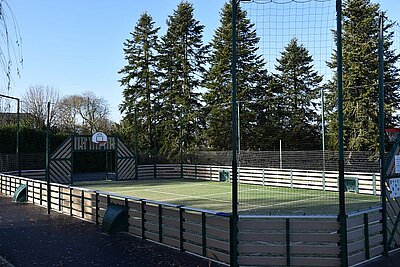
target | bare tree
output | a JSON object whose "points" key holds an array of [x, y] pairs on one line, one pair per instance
{"points": [[34, 103], [85, 114], [10, 52], [68, 120], [10, 45]]}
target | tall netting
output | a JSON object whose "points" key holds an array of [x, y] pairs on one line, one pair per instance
{"points": [[8, 116], [289, 164]]}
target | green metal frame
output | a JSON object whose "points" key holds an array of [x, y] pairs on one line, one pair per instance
{"points": [[382, 138], [234, 217]]}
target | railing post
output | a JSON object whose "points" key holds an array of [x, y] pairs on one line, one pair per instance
{"points": [[204, 233], [97, 207], [366, 236], [181, 240], [233, 240], [83, 204], [59, 198], [287, 242], [70, 201], [143, 211], [160, 223]]}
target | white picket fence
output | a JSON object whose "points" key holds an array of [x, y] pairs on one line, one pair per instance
{"points": [[368, 183]]}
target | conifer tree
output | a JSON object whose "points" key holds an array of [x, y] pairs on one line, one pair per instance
{"points": [[299, 87], [182, 61], [251, 81], [141, 78], [360, 28]]}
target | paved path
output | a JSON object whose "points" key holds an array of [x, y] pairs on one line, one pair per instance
{"points": [[392, 260], [30, 237]]}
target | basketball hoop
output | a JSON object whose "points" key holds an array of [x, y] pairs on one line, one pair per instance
{"points": [[99, 138], [393, 134]]}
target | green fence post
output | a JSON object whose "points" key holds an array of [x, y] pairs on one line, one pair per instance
{"points": [[40, 193], [116, 160], [181, 142], [323, 181], [342, 202], [48, 159], [136, 147], [382, 136]]}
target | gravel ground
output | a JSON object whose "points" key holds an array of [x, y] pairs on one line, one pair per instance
{"points": [[30, 237]]}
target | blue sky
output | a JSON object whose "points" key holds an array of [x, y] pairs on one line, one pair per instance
{"points": [[76, 45]]}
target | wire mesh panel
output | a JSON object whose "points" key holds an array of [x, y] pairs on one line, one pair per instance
{"points": [[287, 119], [296, 115], [391, 85]]}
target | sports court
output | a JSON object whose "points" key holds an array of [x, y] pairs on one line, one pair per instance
{"points": [[211, 195]]}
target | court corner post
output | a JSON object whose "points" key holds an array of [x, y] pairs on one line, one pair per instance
{"points": [[48, 159], [342, 201], [234, 216], [136, 145], [382, 136]]}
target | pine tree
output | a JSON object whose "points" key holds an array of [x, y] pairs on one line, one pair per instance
{"points": [[183, 59], [141, 78], [299, 85], [251, 80], [360, 75]]}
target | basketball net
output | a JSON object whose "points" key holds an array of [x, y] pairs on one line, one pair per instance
{"points": [[393, 134], [102, 143]]}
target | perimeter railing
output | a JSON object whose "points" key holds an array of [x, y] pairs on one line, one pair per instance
{"points": [[201, 232], [262, 240]]}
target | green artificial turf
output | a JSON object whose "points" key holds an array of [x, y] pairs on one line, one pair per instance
{"points": [[253, 199]]}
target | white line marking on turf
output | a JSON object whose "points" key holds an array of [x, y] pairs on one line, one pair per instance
{"points": [[185, 196], [280, 204]]}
